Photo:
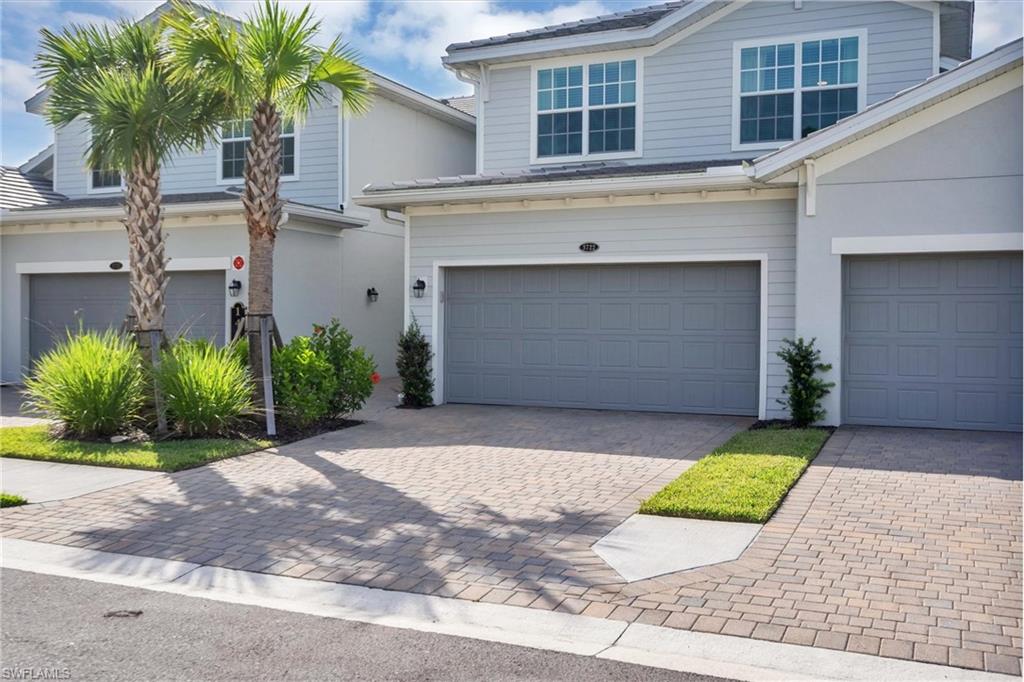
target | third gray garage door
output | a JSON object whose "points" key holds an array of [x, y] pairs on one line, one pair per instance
{"points": [[933, 341], [666, 338]]}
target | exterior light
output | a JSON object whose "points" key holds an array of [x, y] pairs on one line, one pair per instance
{"points": [[372, 295], [235, 288], [418, 288]]}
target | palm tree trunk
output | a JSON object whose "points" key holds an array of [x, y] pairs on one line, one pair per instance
{"points": [[263, 208], [148, 263]]}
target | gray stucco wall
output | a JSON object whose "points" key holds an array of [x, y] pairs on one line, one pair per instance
{"points": [[688, 95], [757, 226], [961, 176], [311, 283]]}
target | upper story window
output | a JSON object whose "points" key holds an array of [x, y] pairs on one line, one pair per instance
{"points": [[104, 180], [790, 88], [235, 137], [589, 110]]}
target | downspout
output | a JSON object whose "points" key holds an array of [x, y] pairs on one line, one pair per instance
{"points": [[404, 222], [810, 188], [481, 93]]}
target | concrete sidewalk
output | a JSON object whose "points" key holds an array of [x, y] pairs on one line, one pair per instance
{"points": [[49, 481]]}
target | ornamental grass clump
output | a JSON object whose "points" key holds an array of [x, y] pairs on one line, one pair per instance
{"points": [[206, 389], [91, 382]]}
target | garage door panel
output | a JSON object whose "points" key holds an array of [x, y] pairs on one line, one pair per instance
{"points": [[195, 305], [940, 346], [650, 337]]}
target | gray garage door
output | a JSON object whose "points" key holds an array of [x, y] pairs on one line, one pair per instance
{"points": [[666, 338], [933, 341], [195, 305]]}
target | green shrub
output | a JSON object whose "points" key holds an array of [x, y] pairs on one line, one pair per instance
{"points": [[92, 382], [11, 500], [206, 390], [414, 367], [304, 382], [804, 390], [354, 369]]}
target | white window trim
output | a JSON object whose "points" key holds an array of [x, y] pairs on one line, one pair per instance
{"points": [[587, 156], [221, 180], [862, 71]]}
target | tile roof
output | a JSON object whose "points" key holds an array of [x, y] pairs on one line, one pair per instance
{"points": [[116, 199], [466, 104], [577, 171], [639, 17], [21, 190]]}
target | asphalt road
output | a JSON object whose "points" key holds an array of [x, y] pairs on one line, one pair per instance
{"points": [[67, 627]]}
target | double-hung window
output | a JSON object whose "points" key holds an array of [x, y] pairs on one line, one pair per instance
{"points": [[788, 89], [235, 137], [586, 110], [104, 179]]}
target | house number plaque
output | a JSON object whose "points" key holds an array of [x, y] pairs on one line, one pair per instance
{"points": [[589, 247]]}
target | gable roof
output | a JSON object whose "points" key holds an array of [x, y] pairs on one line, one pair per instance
{"points": [[646, 26], [22, 190], [640, 17], [899, 106]]}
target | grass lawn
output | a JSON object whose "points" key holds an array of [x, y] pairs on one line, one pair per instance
{"points": [[11, 500], [743, 480], [34, 442]]}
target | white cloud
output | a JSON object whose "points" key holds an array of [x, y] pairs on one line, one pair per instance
{"points": [[996, 22], [19, 83], [417, 33], [336, 16]]}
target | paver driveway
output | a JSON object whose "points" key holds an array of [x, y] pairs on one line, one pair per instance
{"points": [[899, 543]]}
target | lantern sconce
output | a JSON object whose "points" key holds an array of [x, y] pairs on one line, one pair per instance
{"points": [[419, 288], [372, 295], [235, 288]]}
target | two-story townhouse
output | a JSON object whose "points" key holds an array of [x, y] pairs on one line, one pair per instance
{"points": [[663, 195], [64, 250]]}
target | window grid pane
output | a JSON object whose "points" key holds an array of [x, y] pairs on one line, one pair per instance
{"points": [[612, 130], [767, 68], [822, 108], [105, 178], [235, 136], [612, 83], [766, 118], [560, 134], [829, 63], [560, 88]]}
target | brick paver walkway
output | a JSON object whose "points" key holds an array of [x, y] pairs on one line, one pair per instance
{"points": [[896, 542]]}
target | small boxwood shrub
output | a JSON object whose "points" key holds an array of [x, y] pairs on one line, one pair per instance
{"points": [[305, 383], [353, 367], [804, 390], [91, 382], [206, 389], [414, 356]]}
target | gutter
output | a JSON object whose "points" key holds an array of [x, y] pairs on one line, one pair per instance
{"points": [[722, 178], [226, 207]]}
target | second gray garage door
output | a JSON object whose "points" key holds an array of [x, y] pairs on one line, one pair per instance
{"points": [[666, 338], [933, 341], [195, 305]]}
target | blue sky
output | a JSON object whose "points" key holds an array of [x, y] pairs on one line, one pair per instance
{"points": [[401, 40]]}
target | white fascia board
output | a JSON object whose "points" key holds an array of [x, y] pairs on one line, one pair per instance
{"points": [[204, 208], [900, 105], [40, 156], [719, 179], [417, 100], [602, 40]]}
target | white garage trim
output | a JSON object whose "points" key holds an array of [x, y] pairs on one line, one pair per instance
{"points": [[77, 266], [929, 243], [27, 268], [437, 299]]}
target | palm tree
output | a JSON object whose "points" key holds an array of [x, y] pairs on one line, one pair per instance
{"points": [[270, 70], [117, 81]]}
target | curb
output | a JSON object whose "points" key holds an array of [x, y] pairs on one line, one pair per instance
{"points": [[661, 647]]}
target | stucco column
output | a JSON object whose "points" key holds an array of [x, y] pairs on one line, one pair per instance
{"points": [[819, 293]]}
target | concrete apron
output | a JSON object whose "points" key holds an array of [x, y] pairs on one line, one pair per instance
{"points": [[681, 650]]}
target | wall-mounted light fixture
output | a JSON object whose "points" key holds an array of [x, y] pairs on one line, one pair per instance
{"points": [[235, 288], [418, 288], [372, 295]]}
